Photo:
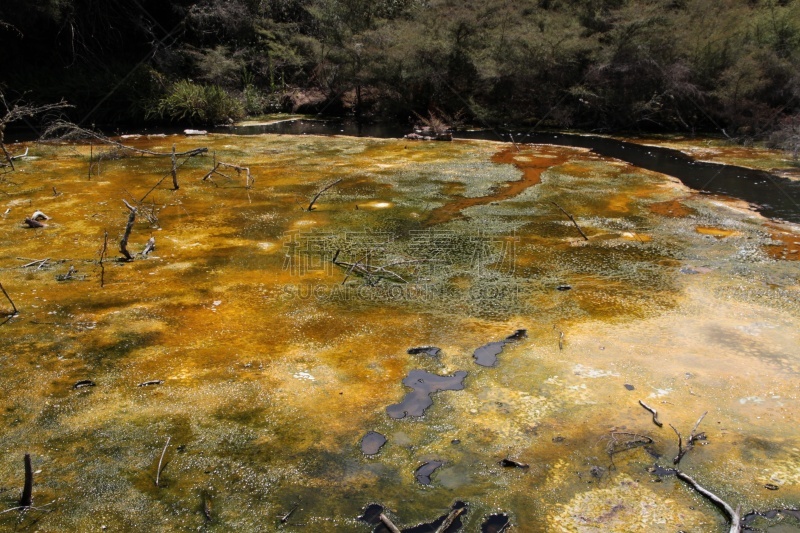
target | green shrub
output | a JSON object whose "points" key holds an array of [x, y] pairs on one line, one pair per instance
{"points": [[199, 104]]}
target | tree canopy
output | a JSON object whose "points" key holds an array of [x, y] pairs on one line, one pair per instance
{"points": [[608, 65]]}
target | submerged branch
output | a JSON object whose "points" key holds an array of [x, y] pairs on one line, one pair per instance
{"points": [[733, 514], [123, 244], [311, 205], [573, 221], [160, 461], [653, 412], [27, 492], [14, 307]]}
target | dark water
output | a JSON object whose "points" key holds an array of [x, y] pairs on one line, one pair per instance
{"points": [[424, 472], [372, 443], [487, 354], [424, 384], [773, 196]]}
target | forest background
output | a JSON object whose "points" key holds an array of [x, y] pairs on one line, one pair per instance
{"points": [[730, 67]]}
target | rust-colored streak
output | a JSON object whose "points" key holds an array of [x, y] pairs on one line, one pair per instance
{"points": [[787, 244], [671, 208], [532, 164]]}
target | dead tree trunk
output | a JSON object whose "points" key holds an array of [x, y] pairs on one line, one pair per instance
{"points": [[123, 244]]}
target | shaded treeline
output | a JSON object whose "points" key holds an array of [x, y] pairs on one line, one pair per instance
{"points": [[668, 65]]}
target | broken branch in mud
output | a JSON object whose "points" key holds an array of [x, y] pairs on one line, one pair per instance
{"points": [[311, 205], [653, 412], [160, 461], [248, 182], [388, 523], [14, 307], [123, 244], [690, 441], [573, 221]]}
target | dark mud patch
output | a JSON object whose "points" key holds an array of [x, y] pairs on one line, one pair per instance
{"points": [[423, 473], [767, 520], [424, 384], [372, 443], [372, 516], [487, 354], [457, 510], [433, 351]]}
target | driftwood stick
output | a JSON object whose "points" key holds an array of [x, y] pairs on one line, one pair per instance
{"points": [[733, 514], [163, 452], [39, 262], [573, 221], [697, 424], [27, 492], [311, 205], [174, 169], [123, 244], [455, 513], [20, 156], [653, 412], [14, 307], [388, 523]]}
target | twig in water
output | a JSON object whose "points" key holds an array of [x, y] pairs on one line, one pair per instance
{"points": [[388, 523], [27, 492], [174, 169], [285, 518], [248, 182], [208, 506], [311, 205], [15, 311], [733, 514], [690, 441], [39, 262], [164, 451], [653, 412], [123, 244], [560, 340], [455, 513], [103, 251], [573, 221]]}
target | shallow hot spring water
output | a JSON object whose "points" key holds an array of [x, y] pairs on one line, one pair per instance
{"points": [[434, 342]]}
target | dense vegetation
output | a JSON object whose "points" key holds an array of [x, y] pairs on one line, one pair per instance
{"points": [[669, 65]]}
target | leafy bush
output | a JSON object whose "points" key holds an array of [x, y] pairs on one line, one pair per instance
{"points": [[199, 104]]}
